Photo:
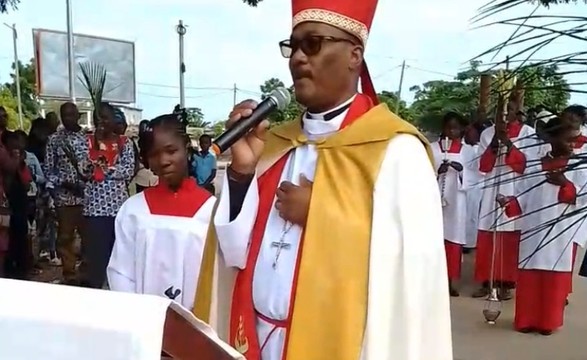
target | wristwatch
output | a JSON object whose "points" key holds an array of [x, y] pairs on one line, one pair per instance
{"points": [[237, 176]]}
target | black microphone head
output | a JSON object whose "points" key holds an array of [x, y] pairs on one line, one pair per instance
{"points": [[281, 96]]}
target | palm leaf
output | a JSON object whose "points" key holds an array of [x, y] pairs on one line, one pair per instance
{"points": [[533, 33], [94, 80]]}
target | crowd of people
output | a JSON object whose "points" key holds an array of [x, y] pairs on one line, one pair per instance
{"points": [[514, 193], [62, 186]]}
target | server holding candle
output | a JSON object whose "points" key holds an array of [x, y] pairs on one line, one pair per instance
{"points": [[451, 157]]}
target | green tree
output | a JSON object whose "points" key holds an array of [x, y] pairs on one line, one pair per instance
{"points": [[390, 99], [6, 4], [9, 102], [28, 93], [196, 118], [218, 128], [543, 86], [293, 111]]}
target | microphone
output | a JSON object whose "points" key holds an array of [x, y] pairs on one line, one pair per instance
{"points": [[278, 99]]}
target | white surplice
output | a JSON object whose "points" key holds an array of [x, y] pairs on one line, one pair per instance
{"points": [[547, 244], [453, 186], [155, 254], [575, 175], [503, 179], [474, 184], [408, 307]]}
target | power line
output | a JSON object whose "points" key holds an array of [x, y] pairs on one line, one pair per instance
{"points": [[430, 71], [187, 87], [187, 97]]}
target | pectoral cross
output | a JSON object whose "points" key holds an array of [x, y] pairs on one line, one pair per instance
{"points": [[281, 244]]}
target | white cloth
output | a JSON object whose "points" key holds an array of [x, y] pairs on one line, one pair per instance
{"points": [[453, 187], [145, 177], [546, 242], [155, 254], [75, 323], [474, 184], [502, 179], [408, 307]]}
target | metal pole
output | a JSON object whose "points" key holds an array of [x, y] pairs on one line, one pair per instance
{"points": [[234, 95], [17, 73], [70, 52], [181, 30], [401, 84]]}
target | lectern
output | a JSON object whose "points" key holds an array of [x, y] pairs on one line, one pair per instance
{"points": [[57, 322]]}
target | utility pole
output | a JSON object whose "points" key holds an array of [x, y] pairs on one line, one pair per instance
{"points": [[70, 52], [399, 90], [181, 31], [16, 73], [234, 95]]}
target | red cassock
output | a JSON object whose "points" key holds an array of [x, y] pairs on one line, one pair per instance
{"points": [[541, 293], [505, 260]]}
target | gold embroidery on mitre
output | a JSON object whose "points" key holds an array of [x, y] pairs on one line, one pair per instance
{"points": [[241, 343], [345, 23]]}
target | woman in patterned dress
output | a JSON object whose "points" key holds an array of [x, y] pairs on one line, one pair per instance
{"points": [[109, 167]]}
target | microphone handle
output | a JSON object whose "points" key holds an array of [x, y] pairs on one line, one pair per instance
{"points": [[242, 127]]}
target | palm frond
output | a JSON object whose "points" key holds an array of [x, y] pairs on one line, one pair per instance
{"points": [[94, 80], [533, 33]]}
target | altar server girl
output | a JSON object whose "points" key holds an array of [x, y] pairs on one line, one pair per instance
{"points": [[161, 232], [451, 157], [548, 200]]}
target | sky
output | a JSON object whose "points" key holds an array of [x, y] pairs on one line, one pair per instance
{"points": [[230, 43]]}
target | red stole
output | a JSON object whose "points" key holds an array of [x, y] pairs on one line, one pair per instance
{"points": [[243, 333], [108, 150], [185, 202]]}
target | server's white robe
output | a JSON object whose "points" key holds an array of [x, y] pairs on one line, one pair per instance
{"points": [[408, 305], [474, 184], [502, 179], [453, 187], [158, 254], [548, 225]]}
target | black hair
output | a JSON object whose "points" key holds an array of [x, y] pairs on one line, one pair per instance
{"points": [[169, 122], [555, 127], [103, 106], [206, 136], [8, 137], [456, 116], [578, 110], [38, 137]]}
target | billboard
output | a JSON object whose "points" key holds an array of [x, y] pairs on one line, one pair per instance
{"points": [[117, 57]]}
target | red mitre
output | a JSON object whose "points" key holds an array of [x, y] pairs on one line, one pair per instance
{"points": [[352, 16]]}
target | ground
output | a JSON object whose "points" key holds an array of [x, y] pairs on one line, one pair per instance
{"points": [[473, 339]]}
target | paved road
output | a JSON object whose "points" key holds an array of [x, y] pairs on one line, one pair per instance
{"points": [[475, 340]]}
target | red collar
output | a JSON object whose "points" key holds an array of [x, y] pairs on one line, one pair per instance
{"points": [[185, 202], [579, 141], [514, 128], [455, 146], [554, 164]]}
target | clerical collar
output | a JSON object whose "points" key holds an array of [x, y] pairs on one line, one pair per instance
{"points": [[331, 114]]}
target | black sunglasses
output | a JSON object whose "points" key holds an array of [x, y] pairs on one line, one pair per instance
{"points": [[310, 45]]}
